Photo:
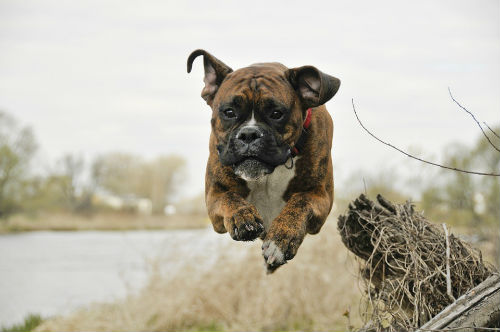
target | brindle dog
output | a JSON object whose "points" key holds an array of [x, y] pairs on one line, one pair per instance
{"points": [[269, 173]]}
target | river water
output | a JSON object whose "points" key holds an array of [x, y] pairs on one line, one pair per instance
{"points": [[51, 273]]}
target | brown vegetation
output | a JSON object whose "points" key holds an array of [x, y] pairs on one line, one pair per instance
{"points": [[412, 268], [315, 291]]}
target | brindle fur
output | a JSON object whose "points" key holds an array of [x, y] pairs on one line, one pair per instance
{"points": [[309, 195]]}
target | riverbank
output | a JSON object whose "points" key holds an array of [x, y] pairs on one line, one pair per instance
{"points": [[54, 273], [190, 280], [100, 222]]}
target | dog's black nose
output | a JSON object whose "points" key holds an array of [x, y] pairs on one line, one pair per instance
{"points": [[249, 134]]}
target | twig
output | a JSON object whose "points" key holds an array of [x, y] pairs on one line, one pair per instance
{"points": [[491, 130], [479, 125], [411, 156], [448, 277]]}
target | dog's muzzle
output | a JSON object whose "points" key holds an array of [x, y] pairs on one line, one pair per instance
{"points": [[253, 152]]}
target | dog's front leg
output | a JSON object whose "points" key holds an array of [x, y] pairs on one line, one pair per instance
{"points": [[229, 212], [303, 213]]}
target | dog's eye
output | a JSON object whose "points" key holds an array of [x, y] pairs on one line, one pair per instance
{"points": [[229, 113], [276, 115]]}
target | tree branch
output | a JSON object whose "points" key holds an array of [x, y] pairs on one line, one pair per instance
{"points": [[479, 125], [411, 156], [491, 129]]}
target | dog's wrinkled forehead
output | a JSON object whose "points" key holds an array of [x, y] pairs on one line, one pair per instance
{"points": [[257, 83], [307, 83]]}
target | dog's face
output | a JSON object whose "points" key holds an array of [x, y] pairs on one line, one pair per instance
{"points": [[256, 117], [258, 111]]}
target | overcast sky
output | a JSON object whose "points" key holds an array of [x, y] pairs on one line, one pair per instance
{"points": [[98, 76]]}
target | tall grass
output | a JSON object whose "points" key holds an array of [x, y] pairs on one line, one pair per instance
{"points": [[315, 291]]}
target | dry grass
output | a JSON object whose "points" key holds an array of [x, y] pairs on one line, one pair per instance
{"points": [[104, 221], [315, 291]]}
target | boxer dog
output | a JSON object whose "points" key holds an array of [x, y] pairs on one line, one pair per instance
{"points": [[269, 172]]}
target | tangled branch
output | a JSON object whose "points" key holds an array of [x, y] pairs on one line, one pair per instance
{"points": [[407, 276]]}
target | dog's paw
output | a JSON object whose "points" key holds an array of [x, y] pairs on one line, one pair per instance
{"points": [[273, 256], [245, 224], [278, 250]]}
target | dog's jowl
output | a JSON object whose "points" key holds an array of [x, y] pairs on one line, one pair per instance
{"points": [[269, 172]]}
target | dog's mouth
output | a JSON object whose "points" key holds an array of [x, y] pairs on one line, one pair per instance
{"points": [[255, 159], [252, 168]]}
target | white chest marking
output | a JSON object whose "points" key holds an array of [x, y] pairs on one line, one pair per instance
{"points": [[266, 193]]}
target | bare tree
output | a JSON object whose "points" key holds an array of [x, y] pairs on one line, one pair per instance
{"points": [[125, 174], [76, 194]]}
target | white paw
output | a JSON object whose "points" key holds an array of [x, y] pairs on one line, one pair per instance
{"points": [[272, 254]]}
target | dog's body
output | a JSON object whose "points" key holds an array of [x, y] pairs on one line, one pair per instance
{"points": [[269, 172]]}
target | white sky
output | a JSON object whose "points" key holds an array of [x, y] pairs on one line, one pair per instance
{"points": [[99, 76]]}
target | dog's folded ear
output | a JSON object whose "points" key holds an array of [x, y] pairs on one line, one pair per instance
{"points": [[215, 72], [313, 87]]}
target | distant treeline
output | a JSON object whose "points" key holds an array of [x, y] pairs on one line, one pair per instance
{"points": [[78, 186]]}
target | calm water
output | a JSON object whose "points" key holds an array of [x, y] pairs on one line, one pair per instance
{"points": [[55, 272]]}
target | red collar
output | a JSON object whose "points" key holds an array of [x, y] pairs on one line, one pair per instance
{"points": [[300, 142], [307, 121]]}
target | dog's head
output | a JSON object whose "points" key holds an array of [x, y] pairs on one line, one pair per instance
{"points": [[258, 111]]}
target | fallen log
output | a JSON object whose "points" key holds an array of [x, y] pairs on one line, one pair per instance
{"points": [[479, 307], [412, 268]]}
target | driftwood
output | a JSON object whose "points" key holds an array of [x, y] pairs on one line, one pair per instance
{"points": [[414, 269], [479, 307]]}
